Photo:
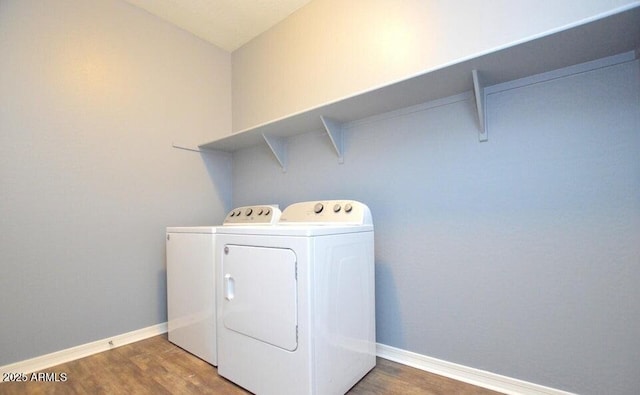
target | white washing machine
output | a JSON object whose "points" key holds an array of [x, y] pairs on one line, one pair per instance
{"points": [[296, 301], [191, 282]]}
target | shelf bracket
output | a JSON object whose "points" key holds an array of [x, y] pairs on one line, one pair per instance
{"points": [[478, 90], [185, 147], [278, 146], [334, 130]]}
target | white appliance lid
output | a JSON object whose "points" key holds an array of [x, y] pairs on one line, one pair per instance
{"points": [[191, 229], [303, 230]]}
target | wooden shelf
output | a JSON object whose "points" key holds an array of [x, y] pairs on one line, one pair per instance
{"points": [[609, 36]]}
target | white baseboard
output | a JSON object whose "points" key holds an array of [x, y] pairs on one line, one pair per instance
{"points": [[463, 373], [480, 378], [83, 350]]}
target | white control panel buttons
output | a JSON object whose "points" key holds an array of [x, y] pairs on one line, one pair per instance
{"points": [[259, 215], [327, 212]]}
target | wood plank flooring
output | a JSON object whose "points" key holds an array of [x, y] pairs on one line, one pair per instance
{"points": [[156, 366]]}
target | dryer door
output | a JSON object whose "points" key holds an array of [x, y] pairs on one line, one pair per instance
{"points": [[260, 294]]}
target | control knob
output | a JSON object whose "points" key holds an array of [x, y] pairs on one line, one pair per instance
{"points": [[318, 208]]}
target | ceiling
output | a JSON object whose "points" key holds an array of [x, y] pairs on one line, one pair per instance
{"points": [[227, 24]]}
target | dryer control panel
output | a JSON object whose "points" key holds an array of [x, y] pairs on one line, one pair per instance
{"points": [[348, 212], [254, 215]]}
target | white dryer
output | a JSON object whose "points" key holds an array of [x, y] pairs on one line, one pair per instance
{"points": [[191, 281], [296, 301]]}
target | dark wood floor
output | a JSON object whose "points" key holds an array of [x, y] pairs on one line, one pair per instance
{"points": [[155, 366]]}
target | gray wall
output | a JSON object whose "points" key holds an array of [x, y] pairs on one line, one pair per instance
{"points": [[92, 95], [519, 256]]}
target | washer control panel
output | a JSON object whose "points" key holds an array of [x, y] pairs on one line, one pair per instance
{"points": [[327, 211], [253, 215]]}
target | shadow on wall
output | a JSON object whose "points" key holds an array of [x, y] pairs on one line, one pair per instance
{"points": [[162, 291], [388, 332], [218, 164]]}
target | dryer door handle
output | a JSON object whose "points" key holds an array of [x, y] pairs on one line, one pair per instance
{"points": [[229, 287]]}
